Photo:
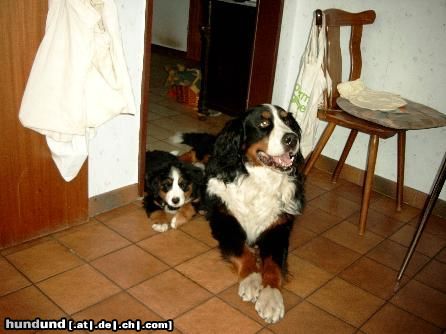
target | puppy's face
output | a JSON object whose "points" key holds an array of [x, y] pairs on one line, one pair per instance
{"points": [[272, 137], [175, 189]]}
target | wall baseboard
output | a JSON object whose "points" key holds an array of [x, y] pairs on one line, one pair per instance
{"points": [[112, 199], [381, 185]]}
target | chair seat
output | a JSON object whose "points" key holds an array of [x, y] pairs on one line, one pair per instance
{"points": [[412, 116], [342, 118]]}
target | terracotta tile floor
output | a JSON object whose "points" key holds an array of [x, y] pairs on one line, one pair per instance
{"points": [[117, 267]]}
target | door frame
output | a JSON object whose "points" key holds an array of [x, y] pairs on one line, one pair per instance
{"points": [[145, 93]]}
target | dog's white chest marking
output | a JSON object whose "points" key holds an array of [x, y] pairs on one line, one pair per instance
{"points": [[257, 200]]}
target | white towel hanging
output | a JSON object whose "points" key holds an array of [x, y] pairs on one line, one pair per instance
{"points": [[78, 81]]}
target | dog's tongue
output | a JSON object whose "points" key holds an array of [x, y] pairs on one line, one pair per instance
{"points": [[283, 160]]}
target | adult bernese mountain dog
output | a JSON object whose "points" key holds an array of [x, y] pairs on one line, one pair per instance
{"points": [[173, 190], [254, 189]]}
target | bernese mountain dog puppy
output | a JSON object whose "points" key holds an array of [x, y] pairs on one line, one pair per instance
{"points": [[255, 188], [173, 190]]}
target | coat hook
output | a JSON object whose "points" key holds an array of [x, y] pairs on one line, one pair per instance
{"points": [[318, 14]]}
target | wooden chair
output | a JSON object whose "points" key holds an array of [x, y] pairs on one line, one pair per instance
{"points": [[333, 115]]}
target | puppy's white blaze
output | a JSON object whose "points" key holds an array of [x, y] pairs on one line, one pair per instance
{"points": [[257, 199], [175, 191], [275, 146]]}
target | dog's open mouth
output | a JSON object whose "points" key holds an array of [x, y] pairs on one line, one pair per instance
{"points": [[283, 163]]}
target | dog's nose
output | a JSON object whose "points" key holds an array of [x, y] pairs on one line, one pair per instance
{"points": [[289, 140], [175, 200]]}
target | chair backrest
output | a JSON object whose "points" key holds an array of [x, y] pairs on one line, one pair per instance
{"points": [[335, 19]]}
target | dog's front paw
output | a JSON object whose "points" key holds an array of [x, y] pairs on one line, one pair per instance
{"points": [[174, 222], [249, 288], [160, 227], [177, 221], [269, 305]]}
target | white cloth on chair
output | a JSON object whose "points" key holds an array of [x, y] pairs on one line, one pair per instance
{"points": [[358, 94], [78, 80]]}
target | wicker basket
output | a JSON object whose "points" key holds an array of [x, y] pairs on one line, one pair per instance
{"points": [[185, 95]]}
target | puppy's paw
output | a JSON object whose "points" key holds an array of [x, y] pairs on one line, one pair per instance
{"points": [[177, 221], [249, 288], [269, 305], [160, 227], [173, 222]]}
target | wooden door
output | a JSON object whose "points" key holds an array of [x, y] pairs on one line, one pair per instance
{"points": [[264, 54], [34, 199], [193, 30]]}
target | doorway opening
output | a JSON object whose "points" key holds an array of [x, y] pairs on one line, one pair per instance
{"points": [[161, 115]]}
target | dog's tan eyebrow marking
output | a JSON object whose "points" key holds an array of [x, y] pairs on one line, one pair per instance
{"points": [[266, 114], [283, 114]]}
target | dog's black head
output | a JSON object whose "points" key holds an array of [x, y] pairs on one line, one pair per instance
{"points": [[170, 183], [266, 135]]}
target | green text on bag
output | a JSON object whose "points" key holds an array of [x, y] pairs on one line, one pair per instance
{"points": [[300, 99]]}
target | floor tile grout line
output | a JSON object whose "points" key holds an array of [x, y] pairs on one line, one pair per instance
{"points": [[73, 251], [328, 312], [96, 303], [97, 217], [211, 296], [387, 300], [414, 315], [183, 261], [135, 284], [399, 308], [191, 235], [257, 321], [155, 256], [424, 233], [410, 278], [83, 262], [344, 197], [198, 255], [364, 255], [98, 272], [370, 250], [114, 295]]}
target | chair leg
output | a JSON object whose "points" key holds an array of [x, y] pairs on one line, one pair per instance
{"points": [[427, 210], [348, 145], [319, 147], [368, 182], [400, 175]]}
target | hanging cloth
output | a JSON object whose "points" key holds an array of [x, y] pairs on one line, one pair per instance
{"points": [[310, 85], [78, 81]]}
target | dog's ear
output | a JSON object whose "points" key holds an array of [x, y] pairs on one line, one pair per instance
{"points": [[196, 176], [227, 156], [152, 185], [229, 140], [193, 173]]}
